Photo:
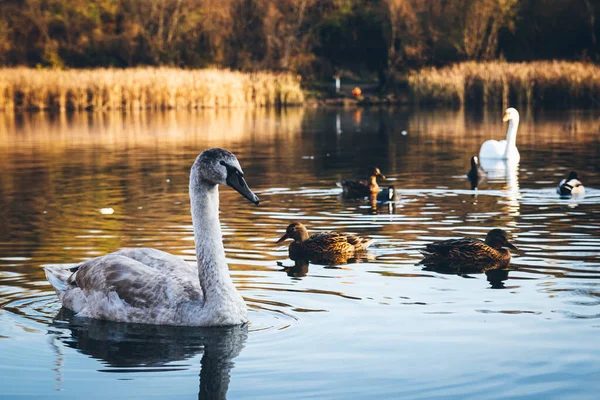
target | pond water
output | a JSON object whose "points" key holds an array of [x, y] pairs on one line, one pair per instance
{"points": [[379, 328]]}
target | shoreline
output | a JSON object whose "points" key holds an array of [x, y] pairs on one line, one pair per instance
{"points": [[540, 84]]}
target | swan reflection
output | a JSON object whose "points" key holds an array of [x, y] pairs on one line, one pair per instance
{"points": [[505, 171], [150, 348]]}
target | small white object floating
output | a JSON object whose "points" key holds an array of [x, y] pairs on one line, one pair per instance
{"points": [[168, 180], [404, 133], [107, 211]]}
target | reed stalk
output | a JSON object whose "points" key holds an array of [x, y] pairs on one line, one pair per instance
{"points": [[144, 88], [553, 83]]}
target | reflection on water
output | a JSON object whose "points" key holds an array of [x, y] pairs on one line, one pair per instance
{"points": [[313, 326], [129, 348]]}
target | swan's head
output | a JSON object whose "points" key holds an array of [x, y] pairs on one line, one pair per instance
{"points": [[510, 113], [295, 231], [498, 238], [218, 166]]}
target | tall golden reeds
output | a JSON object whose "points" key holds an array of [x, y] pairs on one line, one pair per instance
{"points": [[144, 88], [557, 83]]}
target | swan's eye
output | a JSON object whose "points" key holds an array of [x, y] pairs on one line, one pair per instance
{"points": [[231, 170]]}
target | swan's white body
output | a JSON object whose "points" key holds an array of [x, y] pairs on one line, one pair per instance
{"points": [[504, 149], [144, 285]]}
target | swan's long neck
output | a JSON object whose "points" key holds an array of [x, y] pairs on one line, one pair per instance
{"points": [[511, 135], [213, 271]]}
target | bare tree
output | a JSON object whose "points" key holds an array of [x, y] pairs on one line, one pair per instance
{"points": [[481, 20]]}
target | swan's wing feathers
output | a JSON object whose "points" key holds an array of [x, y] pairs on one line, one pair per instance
{"points": [[492, 149], [134, 283], [157, 259], [137, 284]]}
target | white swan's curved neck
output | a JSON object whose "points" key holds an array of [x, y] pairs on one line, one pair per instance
{"points": [[213, 271], [511, 135]]}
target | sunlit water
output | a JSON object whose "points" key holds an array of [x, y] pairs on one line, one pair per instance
{"points": [[381, 328]]}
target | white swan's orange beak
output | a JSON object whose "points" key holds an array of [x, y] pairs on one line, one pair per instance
{"points": [[506, 117]]}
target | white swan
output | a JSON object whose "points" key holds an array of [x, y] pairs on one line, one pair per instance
{"points": [[504, 149], [144, 285]]}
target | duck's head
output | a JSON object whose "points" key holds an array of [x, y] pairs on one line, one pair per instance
{"points": [[474, 162], [498, 238], [391, 192], [375, 172], [510, 113], [295, 231], [572, 175], [217, 166]]}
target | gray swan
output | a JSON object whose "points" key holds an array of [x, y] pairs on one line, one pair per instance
{"points": [[144, 285]]}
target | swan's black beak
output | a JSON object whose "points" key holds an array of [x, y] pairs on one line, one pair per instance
{"points": [[236, 181], [281, 239]]}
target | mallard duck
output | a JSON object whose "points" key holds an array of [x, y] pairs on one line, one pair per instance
{"points": [[470, 250], [476, 174], [570, 185], [504, 149], [323, 245], [149, 286], [363, 188], [388, 195]]}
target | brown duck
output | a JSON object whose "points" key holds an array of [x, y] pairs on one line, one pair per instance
{"points": [[323, 245], [466, 251], [363, 188]]}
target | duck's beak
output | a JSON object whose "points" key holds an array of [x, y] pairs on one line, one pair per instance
{"points": [[281, 239], [510, 245], [382, 176], [236, 181], [506, 117]]}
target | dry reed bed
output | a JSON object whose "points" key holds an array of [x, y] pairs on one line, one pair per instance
{"points": [[554, 83], [144, 88]]}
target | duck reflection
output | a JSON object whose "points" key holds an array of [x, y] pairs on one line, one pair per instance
{"points": [[496, 277], [300, 267], [386, 199], [298, 270], [135, 347], [496, 274]]}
